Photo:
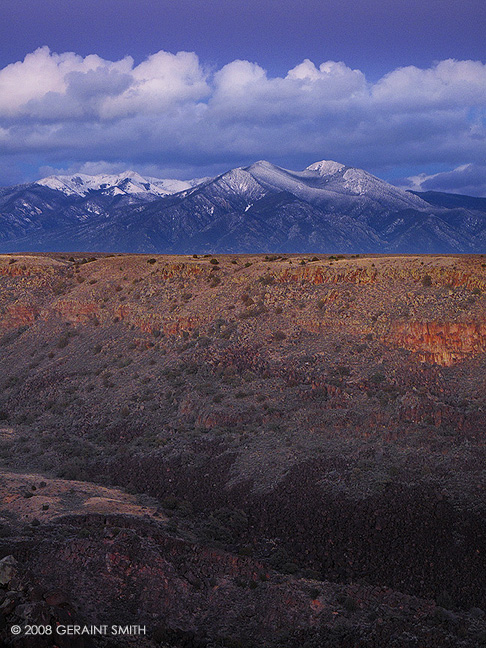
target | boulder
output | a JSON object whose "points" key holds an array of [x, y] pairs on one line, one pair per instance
{"points": [[8, 569]]}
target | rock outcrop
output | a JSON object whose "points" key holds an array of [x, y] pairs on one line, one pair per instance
{"points": [[441, 343]]}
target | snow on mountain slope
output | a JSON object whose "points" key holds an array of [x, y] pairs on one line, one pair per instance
{"points": [[127, 183], [319, 183], [324, 208], [357, 182], [274, 177], [242, 183], [328, 181], [326, 167]]}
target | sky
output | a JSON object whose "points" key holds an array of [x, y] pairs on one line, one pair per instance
{"points": [[191, 88]]}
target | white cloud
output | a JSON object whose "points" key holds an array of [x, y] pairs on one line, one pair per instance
{"points": [[332, 79], [43, 72], [447, 84], [46, 85], [163, 79], [468, 179], [171, 110]]}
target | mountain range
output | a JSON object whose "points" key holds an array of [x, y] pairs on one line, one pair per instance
{"points": [[327, 207]]}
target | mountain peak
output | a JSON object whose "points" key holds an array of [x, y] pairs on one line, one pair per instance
{"points": [[327, 207], [261, 164], [129, 183], [326, 167], [132, 175]]}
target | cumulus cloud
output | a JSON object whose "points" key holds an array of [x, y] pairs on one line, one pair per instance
{"points": [[172, 111], [43, 73], [49, 86], [161, 81], [446, 85]]}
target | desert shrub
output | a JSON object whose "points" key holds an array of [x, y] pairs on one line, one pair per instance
{"points": [[59, 288], [257, 310], [170, 502], [11, 336], [378, 377], [214, 262], [63, 341], [5, 531], [267, 280], [348, 602], [445, 600], [290, 568], [343, 370], [279, 335], [427, 280], [151, 261]]}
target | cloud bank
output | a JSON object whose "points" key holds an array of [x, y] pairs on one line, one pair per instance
{"points": [[468, 179], [171, 111]]}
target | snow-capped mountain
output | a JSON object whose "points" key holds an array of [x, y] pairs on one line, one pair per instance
{"points": [[128, 183], [327, 207], [328, 181]]}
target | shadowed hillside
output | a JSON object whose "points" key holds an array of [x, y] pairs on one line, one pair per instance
{"points": [[246, 450]]}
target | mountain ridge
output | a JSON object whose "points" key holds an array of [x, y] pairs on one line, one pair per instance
{"points": [[328, 207], [128, 182]]}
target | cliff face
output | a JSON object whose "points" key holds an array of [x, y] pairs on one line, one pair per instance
{"points": [[332, 274], [441, 343]]}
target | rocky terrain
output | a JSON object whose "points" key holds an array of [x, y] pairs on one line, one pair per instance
{"points": [[256, 450]]}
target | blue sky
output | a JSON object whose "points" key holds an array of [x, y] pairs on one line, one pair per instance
{"points": [[186, 89]]}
